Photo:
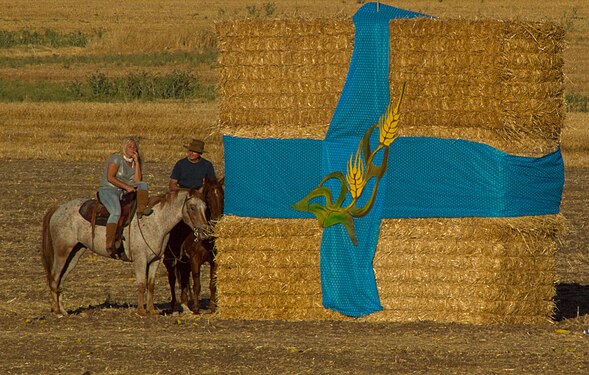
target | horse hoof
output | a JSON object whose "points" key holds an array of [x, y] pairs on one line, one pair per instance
{"points": [[61, 313]]}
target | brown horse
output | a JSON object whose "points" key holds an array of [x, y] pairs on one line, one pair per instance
{"points": [[186, 253], [66, 235]]}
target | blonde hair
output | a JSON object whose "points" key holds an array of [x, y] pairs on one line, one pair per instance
{"points": [[135, 139], [126, 141]]}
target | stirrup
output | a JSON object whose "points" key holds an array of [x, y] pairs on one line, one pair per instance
{"points": [[123, 256], [120, 256]]}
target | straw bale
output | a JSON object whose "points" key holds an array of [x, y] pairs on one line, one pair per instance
{"points": [[278, 77], [477, 270], [489, 81], [285, 313], [234, 226]]}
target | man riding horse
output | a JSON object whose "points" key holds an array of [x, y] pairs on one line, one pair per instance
{"points": [[190, 172]]}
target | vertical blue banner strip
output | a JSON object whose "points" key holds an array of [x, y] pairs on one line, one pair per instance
{"points": [[348, 283]]}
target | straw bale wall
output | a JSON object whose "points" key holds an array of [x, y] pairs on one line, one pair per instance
{"points": [[471, 270], [495, 82]]}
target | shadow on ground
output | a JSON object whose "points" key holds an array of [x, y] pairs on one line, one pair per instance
{"points": [[163, 308], [572, 300]]}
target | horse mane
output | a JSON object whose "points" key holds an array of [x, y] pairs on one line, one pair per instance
{"points": [[164, 198], [209, 187]]}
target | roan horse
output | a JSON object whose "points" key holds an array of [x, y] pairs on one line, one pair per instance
{"points": [[66, 235], [186, 253]]}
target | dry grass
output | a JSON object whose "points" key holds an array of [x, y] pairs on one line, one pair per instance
{"points": [[575, 140], [131, 26], [91, 131], [70, 130]]}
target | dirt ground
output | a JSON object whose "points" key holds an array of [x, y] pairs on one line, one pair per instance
{"points": [[103, 334]]}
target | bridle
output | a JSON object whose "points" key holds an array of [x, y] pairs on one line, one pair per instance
{"points": [[196, 230]]}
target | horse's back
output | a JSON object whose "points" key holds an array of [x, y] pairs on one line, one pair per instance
{"points": [[66, 221]]}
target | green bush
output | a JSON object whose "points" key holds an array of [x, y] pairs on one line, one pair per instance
{"points": [[102, 87], [99, 87], [179, 85], [140, 86], [49, 38], [577, 102]]}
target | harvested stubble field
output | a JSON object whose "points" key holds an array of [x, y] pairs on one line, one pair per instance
{"points": [[52, 152]]}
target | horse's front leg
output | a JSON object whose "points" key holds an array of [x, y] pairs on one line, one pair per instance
{"points": [[195, 263], [183, 269], [151, 274], [140, 268], [213, 286], [170, 267], [141, 297]]}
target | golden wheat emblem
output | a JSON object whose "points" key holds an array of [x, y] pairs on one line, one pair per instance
{"points": [[356, 176], [389, 124], [361, 168]]}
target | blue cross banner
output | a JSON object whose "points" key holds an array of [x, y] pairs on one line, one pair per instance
{"points": [[425, 177]]}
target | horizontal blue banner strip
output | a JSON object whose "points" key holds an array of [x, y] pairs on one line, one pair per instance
{"points": [[426, 177]]}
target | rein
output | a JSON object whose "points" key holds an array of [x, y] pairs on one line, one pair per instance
{"points": [[144, 239], [143, 235]]}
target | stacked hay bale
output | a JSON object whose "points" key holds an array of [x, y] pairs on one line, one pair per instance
{"points": [[493, 82], [281, 78]]}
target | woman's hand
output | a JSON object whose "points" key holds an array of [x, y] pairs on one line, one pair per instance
{"points": [[130, 188]]}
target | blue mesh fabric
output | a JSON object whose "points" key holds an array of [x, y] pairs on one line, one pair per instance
{"points": [[426, 177], [347, 278]]}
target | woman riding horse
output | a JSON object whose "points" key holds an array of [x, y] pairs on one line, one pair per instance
{"points": [[67, 234], [122, 173]]}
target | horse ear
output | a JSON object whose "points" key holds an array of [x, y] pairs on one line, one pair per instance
{"points": [[201, 189]]}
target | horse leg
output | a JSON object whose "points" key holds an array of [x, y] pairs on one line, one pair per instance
{"points": [[183, 269], [172, 282], [172, 259], [64, 262], [141, 298], [213, 286], [140, 267], [195, 263], [151, 274]]}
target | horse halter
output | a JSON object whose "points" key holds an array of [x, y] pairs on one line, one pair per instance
{"points": [[198, 231]]}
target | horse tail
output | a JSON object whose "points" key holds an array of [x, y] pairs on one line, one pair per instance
{"points": [[47, 254]]}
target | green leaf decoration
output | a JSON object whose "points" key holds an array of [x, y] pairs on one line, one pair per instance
{"points": [[360, 169]]}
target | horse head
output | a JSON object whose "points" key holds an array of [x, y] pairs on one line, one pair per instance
{"points": [[194, 213], [214, 197]]}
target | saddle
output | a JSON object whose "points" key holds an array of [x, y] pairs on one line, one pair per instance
{"points": [[94, 211]]}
